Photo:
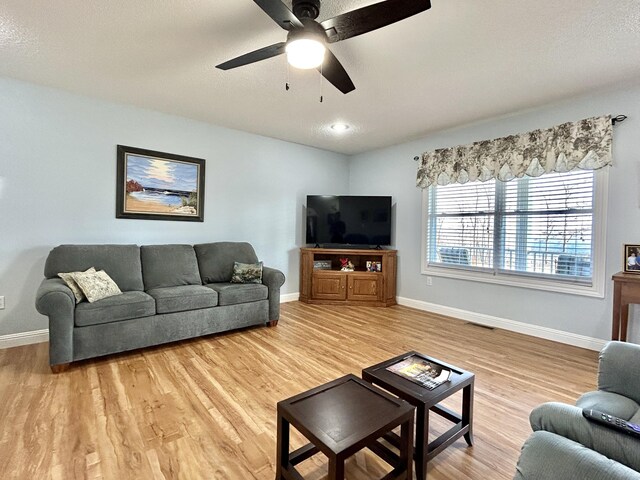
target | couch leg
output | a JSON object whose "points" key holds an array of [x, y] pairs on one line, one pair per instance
{"points": [[273, 323], [63, 367]]}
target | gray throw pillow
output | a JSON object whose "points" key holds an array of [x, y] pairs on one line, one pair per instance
{"points": [[247, 272], [71, 283]]}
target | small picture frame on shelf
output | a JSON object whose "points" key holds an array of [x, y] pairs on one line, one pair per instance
{"points": [[373, 266], [322, 264], [631, 258]]}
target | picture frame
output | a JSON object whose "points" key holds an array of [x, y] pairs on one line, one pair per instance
{"points": [[373, 266], [322, 264], [631, 258], [153, 185]]}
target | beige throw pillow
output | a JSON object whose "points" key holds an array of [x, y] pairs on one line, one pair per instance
{"points": [[96, 285], [71, 283]]}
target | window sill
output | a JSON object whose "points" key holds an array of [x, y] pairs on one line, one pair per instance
{"points": [[522, 281]]}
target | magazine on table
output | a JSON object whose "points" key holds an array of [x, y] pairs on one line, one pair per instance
{"points": [[423, 372]]}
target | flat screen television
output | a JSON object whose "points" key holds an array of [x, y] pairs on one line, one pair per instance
{"points": [[342, 220]]}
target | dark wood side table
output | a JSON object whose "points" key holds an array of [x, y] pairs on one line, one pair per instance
{"points": [[626, 290], [427, 401], [340, 418]]}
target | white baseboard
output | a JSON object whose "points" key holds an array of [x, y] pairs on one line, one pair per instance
{"points": [[289, 297], [24, 338], [505, 324]]}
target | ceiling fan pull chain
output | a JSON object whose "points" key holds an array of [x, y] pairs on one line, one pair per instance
{"points": [[321, 77], [286, 85]]}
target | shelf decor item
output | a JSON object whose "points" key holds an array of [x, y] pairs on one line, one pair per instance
{"points": [[322, 264], [159, 186], [631, 258], [346, 265], [373, 266]]}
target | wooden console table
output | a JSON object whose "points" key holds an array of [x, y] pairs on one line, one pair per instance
{"points": [[626, 291]]}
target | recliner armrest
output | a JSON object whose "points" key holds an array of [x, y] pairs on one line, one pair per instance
{"points": [[547, 456], [619, 369], [568, 421]]}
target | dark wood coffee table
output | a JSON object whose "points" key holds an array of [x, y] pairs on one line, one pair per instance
{"points": [[426, 401], [340, 418]]}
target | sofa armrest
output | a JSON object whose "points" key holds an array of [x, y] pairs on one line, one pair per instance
{"points": [[568, 421], [273, 279], [547, 456], [56, 300], [619, 369]]}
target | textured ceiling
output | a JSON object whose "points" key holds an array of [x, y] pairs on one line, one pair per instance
{"points": [[459, 62]]}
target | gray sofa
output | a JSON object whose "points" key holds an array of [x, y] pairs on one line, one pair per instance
{"points": [[170, 292], [567, 446]]}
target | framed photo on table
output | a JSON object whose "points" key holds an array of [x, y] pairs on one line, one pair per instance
{"points": [[159, 186], [631, 258]]}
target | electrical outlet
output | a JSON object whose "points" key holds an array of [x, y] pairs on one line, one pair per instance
{"points": [[429, 281], [2, 303]]}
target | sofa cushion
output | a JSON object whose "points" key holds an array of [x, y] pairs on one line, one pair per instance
{"points": [[169, 266], [216, 259], [183, 298], [234, 293], [113, 309], [121, 262]]}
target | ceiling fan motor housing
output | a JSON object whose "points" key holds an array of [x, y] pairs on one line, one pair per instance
{"points": [[306, 9], [312, 29]]}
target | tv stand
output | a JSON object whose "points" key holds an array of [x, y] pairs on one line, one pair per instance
{"points": [[323, 282]]}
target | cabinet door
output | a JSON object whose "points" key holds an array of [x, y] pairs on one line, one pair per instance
{"points": [[365, 286], [328, 286]]}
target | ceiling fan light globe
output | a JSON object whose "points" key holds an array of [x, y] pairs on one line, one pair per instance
{"points": [[305, 53]]}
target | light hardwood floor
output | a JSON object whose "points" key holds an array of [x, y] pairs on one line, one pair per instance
{"points": [[206, 408]]}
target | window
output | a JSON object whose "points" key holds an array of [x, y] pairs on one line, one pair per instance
{"points": [[538, 232]]}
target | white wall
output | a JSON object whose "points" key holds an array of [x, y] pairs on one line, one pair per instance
{"points": [[395, 172], [57, 185]]}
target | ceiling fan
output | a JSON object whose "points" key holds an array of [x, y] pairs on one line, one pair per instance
{"points": [[307, 40]]}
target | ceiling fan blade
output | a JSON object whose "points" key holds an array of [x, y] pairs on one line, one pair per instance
{"points": [[255, 56], [333, 71], [280, 14], [366, 19]]}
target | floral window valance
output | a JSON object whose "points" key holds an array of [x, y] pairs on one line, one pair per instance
{"points": [[585, 144]]}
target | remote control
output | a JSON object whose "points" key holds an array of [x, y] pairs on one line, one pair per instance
{"points": [[612, 422]]}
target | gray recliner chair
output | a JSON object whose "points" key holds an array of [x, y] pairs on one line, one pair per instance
{"points": [[565, 445]]}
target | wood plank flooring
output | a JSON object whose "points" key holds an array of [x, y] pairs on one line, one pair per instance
{"points": [[206, 408]]}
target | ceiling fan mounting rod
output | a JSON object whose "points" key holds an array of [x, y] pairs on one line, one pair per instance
{"points": [[306, 9]]}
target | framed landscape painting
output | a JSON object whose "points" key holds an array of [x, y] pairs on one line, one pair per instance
{"points": [[159, 186]]}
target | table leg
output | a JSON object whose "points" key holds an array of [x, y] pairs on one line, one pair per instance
{"points": [[406, 447], [422, 441], [467, 412], [624, 322], [282, 450], [617, 299], [336, 468]]}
